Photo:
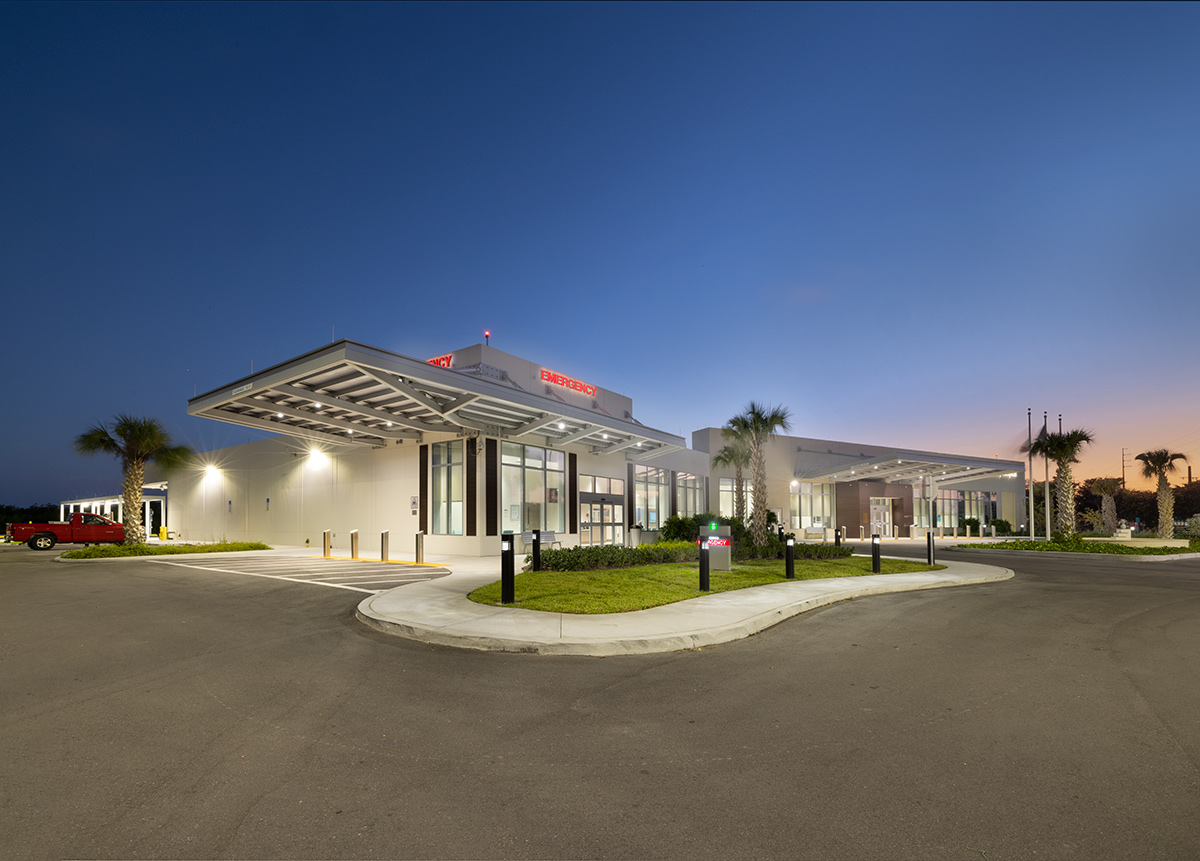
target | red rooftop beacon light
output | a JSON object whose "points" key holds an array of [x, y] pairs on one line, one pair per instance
{"points": [[486, 336]]}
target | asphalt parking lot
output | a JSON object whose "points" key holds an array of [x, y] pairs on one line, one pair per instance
{"points": [[155, 711]]}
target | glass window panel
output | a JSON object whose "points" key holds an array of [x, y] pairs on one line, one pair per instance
{"points": [[586, 483], [617, 485], [510, 452], [555, 460], [602, 484], [510, 499], [556, 501], [534, 456], [535, 496]]}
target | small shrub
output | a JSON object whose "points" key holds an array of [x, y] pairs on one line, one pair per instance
{"points": [[971, 523], [1003, 527], [1191, 529], [823, 551], [688, 528]]}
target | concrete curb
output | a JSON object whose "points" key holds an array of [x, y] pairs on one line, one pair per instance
{"points": [[438, 617]]}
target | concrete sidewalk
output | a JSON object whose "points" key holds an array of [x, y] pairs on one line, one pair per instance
{"points": [[438, 612]]}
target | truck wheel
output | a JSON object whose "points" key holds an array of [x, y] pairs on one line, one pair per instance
{"points": [[42, 542]]}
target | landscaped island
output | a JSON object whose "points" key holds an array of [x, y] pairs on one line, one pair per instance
{"points": [[639, 587]]}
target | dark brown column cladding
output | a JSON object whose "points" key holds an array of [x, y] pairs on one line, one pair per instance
{"points": [[573, 494], [629, 512], [472, 467], [491, 487]]}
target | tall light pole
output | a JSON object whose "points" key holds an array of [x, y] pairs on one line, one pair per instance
{"points": [[1029, 474], [1046, 492]]}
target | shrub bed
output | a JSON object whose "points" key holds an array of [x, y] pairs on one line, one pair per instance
{"points": [[616, 556], [663, 552], [1080, 546]]}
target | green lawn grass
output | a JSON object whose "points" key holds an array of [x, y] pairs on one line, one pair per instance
{"points": [[1081, 547], [621, 590], [116, 551]]}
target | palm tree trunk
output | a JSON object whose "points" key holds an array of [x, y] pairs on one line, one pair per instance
{"points": [[758, 517], [1166, 508], [739, 495], [135, 474], [1064, 498], [1108, 513]]}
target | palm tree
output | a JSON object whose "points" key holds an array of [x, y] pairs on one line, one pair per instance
{"points": [[1106, 489], [136, 442], [735, 453], [1158, 464], [757, 424], [1062, 448]]}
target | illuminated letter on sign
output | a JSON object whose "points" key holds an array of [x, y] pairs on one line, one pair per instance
{"points": [[442, 361], [568, 383]]}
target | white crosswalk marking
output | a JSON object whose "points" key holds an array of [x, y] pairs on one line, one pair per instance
{"points": [[355, 575]]}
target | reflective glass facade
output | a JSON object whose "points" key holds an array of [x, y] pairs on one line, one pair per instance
{"points": [[533, 488], [446, 493], [689, 494], [725, 496], [811, 505], [955, 506], [651, 496]]}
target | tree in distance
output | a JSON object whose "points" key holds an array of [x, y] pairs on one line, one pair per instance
{"points": [[735, 453], [136, 442], [1063, 448], [756, 425], [1159, 463], [1106, 489]]}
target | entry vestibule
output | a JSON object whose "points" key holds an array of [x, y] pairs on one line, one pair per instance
{"points": [[601, 510], [881, 515]]}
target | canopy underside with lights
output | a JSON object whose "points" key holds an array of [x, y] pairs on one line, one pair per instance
{"points": [[912, 467], [351, 394]]}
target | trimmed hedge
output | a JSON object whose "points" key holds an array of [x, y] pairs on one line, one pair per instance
{"points": [[1078, 545], [615, 556], [823, 551]]}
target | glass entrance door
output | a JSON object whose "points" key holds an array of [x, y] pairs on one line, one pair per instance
{"points": [[881, 516], [600, 520]]}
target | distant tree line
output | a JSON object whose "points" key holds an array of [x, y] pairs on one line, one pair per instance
{"points": [[41, 513], [1140, 505]]}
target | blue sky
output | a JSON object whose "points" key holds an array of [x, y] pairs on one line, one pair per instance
{"points": [[906, 223]]}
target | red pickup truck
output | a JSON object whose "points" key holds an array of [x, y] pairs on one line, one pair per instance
{"points": [[82, 529]]}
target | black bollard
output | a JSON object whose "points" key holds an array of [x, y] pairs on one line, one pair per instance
{"points": [[929, 546], [791, 559], [837, 538], [703, 564], [508, 580], [875, 553], [537, 550]]}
